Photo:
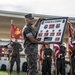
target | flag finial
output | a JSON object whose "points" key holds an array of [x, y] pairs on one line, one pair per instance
{"points": [[11, 21]]}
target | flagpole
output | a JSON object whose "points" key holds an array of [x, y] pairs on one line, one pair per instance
{"points": [[70, 63], [55, 65], [69, 25], [11, 22], [10, 28]]}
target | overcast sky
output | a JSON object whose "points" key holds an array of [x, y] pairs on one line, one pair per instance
{"points": [[45, 7]]}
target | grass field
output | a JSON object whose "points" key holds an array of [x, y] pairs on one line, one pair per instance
{"points": [[14, 73]]}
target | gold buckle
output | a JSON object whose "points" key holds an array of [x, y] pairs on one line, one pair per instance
{"points": [[48, 56], [60, 54]]}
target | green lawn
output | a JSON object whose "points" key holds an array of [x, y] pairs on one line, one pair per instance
{"points": [[13, 73]]}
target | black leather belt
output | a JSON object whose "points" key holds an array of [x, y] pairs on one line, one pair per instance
{"points": [[47, 56], [74, 56], [60, 54]]}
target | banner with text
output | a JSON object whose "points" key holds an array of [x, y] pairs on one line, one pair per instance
{"points": [[52, 30]]}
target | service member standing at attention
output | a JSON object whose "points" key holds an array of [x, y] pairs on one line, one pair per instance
{"points": [[73, 59], [30, 43], [15, 56], [61, 60], [47, 61]]}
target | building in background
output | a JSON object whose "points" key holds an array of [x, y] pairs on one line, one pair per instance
{"points": [[18, 20]]}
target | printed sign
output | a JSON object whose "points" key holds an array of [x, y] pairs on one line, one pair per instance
{"points": [[52, 30]]}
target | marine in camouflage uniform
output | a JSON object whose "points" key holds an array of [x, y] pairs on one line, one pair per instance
{"points": [[15, 56], [30, 44], [61, 60], [47, 61], [31, 50]]}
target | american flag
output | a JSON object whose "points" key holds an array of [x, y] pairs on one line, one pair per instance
{"points": [[57, 50], [70, 30], [41, 52]]}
